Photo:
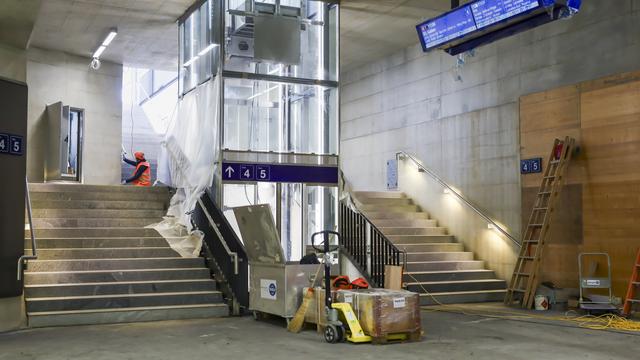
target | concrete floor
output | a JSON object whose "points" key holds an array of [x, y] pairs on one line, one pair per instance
{"points": [[447, 336]]}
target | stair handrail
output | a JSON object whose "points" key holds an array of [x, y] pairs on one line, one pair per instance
{"points": [[232, 254], [401, 155], [34, 249]]}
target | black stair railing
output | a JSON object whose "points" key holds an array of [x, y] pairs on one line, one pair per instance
{"points": [[225, 253], [369, 249]]}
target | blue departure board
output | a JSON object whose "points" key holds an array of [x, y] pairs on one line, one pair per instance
{"points": [[489, 12], [442, 29]]}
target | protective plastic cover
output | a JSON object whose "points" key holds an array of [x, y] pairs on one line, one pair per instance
{"points": [[383, 312], [191, 148]]}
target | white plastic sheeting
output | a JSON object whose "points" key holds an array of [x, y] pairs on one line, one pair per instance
{"points": [[186, 243], [190, 148]]}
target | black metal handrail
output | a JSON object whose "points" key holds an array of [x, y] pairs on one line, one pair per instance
{"points": [[367, 246], [34, 249], [225, 253]]}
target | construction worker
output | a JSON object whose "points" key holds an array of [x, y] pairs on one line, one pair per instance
{"points": [[142, 175]]}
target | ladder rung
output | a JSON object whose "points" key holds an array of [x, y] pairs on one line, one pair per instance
{"points": [[535, 225], [523, 274], [633, 300], [532, 241], [527, 257], [549, 177], [552, 162], [518, 290], [540, 208]]}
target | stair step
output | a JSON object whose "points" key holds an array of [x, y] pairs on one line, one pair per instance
{"points": [[413, 230], [98, 204], [397, 208], [457, 286], [66, 303], [90, 276], [382, 214], [97, 213], [421, 239], [76, 188], [430, 247], [460, 297], [428, 223], [106, 253], [383, 201], [439, 256], [126, 315], [99, 196], [119, 287], [450, 275], [94, 232], [445, 265], [114, 264], [115, 242], [40, 223], [379, 194]]}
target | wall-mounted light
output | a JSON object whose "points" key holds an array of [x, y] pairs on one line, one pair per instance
{"points": [[491, 227], [446, 191], [107, 40]]}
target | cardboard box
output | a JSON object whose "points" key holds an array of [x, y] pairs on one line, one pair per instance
{"points": [[383, 312], [393, 277]]}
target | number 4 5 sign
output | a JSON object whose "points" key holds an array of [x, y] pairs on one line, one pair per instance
{"points": [[531, 166], [11, 144]]}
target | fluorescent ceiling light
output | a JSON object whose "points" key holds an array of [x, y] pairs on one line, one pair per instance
{"points": [[207, 49], [191, 61], [99, 52], [110, 37]]}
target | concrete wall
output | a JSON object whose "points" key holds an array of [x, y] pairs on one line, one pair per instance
{"points": [[467, 128], [55, 76]]}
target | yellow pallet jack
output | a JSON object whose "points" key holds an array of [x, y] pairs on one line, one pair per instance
{"points": [[342, 322]]}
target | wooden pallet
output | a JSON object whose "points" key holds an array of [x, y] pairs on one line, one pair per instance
{"points": [[524, 280], [412, 336]]}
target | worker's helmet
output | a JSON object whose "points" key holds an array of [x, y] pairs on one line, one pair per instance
{"points": [[139, 155]]}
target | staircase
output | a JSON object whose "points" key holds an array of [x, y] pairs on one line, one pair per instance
{"points": [[98, 264], [435, 262]]}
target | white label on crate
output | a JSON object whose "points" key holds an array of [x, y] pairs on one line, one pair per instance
{"points": [[268, 289], [348, 298], [398, 303], [593, 282]]}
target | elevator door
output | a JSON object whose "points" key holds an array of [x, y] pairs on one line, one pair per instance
{"points": [[64, 149]]}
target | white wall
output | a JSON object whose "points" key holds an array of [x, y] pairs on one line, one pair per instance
{"points": [[55, 76], [468, 131]]}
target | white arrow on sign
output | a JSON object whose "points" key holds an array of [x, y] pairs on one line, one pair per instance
{"points": [[229, 170]]}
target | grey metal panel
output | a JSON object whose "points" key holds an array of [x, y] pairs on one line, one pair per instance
{"points": [[13, 102], [277, 39], [259, 234]]}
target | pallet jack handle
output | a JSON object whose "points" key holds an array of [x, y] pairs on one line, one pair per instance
{"points": [[326, 249]]}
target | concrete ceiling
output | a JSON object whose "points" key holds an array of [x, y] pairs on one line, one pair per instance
{"points": [[372, 29], [147, 32], [17, 18]]}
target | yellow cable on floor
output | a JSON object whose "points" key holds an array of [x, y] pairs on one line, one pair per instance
{"points": [[601, 322]]}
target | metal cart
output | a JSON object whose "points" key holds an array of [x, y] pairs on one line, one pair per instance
{"points": [[275, 285], [595, 302]]}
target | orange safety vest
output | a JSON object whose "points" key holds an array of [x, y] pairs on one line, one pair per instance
{"points": [[145, 178]]}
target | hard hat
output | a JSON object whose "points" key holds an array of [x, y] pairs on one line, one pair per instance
{"points": [[139, 155]]}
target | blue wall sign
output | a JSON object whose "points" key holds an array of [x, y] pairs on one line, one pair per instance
{"points": [[11, 144], [279, 173], [452, 25], [489, 12], [531, 166]]}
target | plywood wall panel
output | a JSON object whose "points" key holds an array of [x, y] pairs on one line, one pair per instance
{"points": [[606, 125]]}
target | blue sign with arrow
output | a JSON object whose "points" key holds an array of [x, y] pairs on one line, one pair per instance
{"points": [[279, 173]]}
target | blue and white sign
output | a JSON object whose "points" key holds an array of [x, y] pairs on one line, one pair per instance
{"points": [[15, 145], [268, 289], [447, 27], [489, 12], [11, 144], [279, 173], [531, 166], [4, 143]]}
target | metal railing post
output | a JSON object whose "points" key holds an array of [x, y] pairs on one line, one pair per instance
{"points": [[34, 249]]}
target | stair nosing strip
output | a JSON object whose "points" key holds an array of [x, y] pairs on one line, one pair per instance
{"points": [[112, 259], [111, 296], [107, 248], [109, 271], [462, 292], [122, 309], [33, 286], [454, 282], [444, 271]]}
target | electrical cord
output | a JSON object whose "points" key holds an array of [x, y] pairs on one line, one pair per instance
{"points": [[605, 322]]}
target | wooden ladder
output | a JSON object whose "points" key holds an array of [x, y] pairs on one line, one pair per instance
{"points": [[634, 286], [525, 276]]}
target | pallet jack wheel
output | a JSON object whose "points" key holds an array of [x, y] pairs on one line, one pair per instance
{"points": [[333, 333]]}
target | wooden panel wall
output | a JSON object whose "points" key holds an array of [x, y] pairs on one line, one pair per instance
{"points": [[599, 210]]}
